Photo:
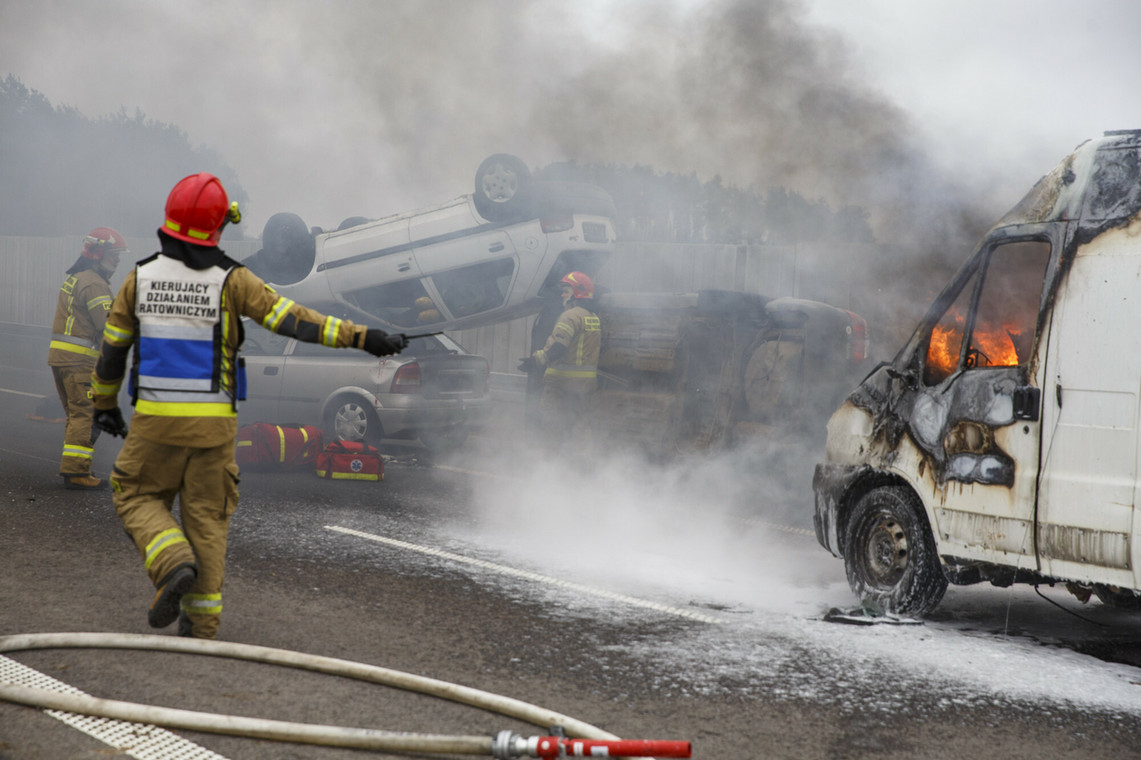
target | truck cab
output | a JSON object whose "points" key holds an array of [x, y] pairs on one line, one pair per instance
{"points": [[1001, 443]]}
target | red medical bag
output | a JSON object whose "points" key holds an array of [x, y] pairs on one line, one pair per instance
{"points": [[264, 445], [350, 460]]}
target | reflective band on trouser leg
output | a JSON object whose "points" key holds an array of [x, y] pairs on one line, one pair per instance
{"points": [[163, 540], [79, 452], [202, 604]]}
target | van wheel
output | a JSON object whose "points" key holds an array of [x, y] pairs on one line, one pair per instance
{"points": [[502, 188], [350, 418], [1115, 596], [889, 553]]}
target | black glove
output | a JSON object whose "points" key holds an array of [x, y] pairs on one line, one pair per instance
{"points": [[528, 364], [111, 421], [380, 343]]}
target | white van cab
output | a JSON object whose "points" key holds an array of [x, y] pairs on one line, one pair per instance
{"points": [[1001, 443], [481, 258]]}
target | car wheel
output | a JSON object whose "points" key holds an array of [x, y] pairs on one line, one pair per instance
{"points": [[889, 553], [502, 188], [1115, 596], [289, 248], [350, 418]]}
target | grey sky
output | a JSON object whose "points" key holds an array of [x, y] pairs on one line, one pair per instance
{"points": [[356, 107]]}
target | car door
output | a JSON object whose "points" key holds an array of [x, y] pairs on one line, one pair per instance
{"points": [[978, 408], [263, 353]]}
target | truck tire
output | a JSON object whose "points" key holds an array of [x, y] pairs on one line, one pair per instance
{"points": [[503, 188], [889, 553]]}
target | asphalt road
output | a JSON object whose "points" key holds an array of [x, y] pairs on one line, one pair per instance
{"points": [[296, 583]]}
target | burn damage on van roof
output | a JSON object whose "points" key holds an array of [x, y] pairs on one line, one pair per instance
{"points": [[1095, 189]]}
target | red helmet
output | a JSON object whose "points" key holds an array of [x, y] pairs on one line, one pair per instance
{"points": [[197, 209], [101, 240], [581, 285]]}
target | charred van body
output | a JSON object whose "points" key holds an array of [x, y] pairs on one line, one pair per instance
{"points": [[1001, 443]]}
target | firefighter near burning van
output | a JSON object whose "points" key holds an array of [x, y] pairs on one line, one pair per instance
{"points": [[181, 310]]}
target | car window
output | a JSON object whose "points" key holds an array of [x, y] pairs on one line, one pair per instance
{"points": [[479, 287], [261, 342], [404, 304]]}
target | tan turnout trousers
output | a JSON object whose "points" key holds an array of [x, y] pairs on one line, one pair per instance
{"points": [[73, 384], [146, 478]]}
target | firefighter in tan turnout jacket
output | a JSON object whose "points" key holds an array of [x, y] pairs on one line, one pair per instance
{"points": [[84, 301], [569, 359], [181, 309]]}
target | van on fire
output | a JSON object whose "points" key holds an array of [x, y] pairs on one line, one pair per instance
{"points": [[1001, 443]]}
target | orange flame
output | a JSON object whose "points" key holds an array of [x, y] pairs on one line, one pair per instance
{"points": [[997, 344]]}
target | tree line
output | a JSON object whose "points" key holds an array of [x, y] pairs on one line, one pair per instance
{"points": [[64, 173]]}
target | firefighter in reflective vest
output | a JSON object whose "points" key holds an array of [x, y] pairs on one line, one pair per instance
{"points": [[570, 360], [84, 301], [181, 310]]}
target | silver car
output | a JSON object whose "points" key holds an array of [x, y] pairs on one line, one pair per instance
{"points": [[430, 394]]}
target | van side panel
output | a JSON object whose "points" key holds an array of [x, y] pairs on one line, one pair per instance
{"points": [[1090, 415]]}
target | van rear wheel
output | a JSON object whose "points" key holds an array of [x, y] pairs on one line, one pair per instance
{"points": [[889, 553]]}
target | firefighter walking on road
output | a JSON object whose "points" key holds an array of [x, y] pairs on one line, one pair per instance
{"points": [[569, 360], [84, 302], [181, 310]]}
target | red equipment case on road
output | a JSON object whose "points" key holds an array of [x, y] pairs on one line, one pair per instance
{"points": [[350, 460], [264, 445]]}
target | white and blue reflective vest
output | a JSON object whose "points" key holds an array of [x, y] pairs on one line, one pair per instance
{"points": [[181, 368]]}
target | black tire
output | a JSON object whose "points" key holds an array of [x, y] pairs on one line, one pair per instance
{"points": [[1117, 597], [353, 221], [351, 418], [889, 553], [289, 248], [503, 188]]}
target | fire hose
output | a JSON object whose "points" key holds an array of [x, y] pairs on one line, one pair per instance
{"points": [[504, 746]]}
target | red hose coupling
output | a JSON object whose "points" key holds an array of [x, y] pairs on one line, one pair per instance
{"points": [[508, 745]]}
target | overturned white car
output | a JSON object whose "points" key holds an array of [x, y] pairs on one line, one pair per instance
{"points": [[478, 259]]}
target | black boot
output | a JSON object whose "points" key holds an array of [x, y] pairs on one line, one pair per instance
{"points": [[164, 609]]}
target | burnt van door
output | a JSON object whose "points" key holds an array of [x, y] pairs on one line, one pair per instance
{"points": [[1090, 408], [978, 408]]}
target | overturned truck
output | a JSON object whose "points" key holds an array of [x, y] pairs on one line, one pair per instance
{"points": [[697, 371], [1001, 443]]}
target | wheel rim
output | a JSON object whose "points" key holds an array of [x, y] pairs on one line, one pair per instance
{"points": [[886, 550], [500, 184], [350, 423]]}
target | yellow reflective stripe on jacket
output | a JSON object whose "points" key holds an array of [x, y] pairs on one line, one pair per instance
{"points": [[104, 301], [162, 541], [83, 350], [117, 335], [185, 408], [202, 604], [571, 372], [329, 332], [280, 308]]}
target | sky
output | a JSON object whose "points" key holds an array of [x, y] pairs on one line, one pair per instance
{"points": [[357, 107]]}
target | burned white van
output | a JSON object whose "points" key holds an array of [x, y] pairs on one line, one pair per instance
{"points": [[1001, 443], [481, 258]]}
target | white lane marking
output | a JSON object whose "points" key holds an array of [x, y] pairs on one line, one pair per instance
{"points": [[26, 454], [677, 611], [22, 393], [137, 740]]}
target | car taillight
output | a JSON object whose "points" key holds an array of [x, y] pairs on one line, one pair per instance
{"points": [[557, 223], [858, 337], [407, 379]]}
